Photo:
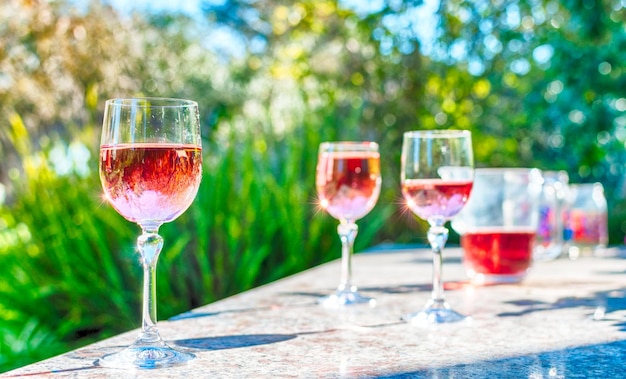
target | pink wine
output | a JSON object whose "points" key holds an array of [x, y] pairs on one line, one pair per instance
{"points": [[497, 251], [348, 183], [150, 183], [433, 198]]}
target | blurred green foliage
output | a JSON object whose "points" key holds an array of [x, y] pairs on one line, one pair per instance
{"points": [[539, 83]]}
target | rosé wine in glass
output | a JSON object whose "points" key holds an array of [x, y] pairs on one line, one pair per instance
{"points": [[436, 176], [429, 198], [348, 185], [150, 171], [150, 181]]}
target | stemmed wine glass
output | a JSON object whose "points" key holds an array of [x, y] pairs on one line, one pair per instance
{"points": [[348, 184], [437, 174], [150, 170]]}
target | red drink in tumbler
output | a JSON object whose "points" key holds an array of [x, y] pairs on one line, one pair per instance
{"points": [[498, 255]]}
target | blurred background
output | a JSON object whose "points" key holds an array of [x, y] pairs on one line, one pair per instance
{"points": [[540, 83]]}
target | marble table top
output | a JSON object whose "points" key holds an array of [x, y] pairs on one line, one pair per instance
{"points": [[565, 320]]}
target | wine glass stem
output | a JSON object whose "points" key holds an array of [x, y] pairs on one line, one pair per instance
{"points": [[347, 233], [149, 246], [437, 237]]}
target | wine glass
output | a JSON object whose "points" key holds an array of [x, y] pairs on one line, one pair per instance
{"points": [[437, 174], [348, 184], [150, 170]]}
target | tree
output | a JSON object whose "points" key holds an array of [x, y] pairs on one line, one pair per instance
{"points": [[539, 83]]}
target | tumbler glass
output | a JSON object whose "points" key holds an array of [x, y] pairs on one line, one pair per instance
{"points": [[498, 226], [586, 224], [550, 243]]}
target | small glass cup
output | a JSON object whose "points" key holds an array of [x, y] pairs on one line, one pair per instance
{"points": [[498, 225], [586, 222], [550, 243]]}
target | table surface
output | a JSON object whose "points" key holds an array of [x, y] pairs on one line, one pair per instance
{"points": [[565, 320]]}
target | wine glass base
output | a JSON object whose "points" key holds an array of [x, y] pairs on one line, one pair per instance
{"points": [[145, 357], [434, 313], [345, 298]]}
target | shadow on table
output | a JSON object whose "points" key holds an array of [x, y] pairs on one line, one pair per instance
{"points": [[593, 361], [242, 340], [199, 314], [601, 304], [234, 341], [450, 285], [397, 289]]}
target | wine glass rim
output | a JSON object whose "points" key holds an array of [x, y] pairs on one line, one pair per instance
{"points": [[438, 133], [349, 143], [151, 102]]}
